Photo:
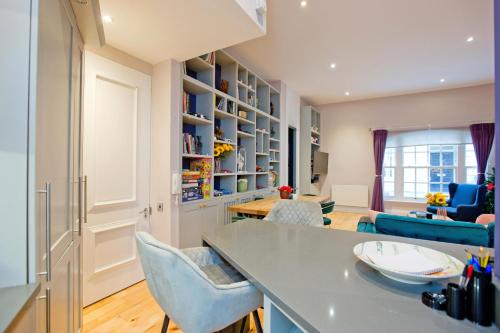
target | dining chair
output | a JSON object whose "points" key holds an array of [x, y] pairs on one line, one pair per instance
{"points": [[327, 208], [195, 288], [296, 212]]}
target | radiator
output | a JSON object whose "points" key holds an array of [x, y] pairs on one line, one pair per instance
{"points": [[228, 215], [350, 195]]}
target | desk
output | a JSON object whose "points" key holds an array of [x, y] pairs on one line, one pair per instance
{"points": [[263, 207], [310, 278]]}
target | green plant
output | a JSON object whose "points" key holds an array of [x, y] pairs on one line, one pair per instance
{"points": [[489, 206]]}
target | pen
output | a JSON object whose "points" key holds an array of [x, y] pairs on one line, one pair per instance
{"points": [[463, 277], [469, 275]]}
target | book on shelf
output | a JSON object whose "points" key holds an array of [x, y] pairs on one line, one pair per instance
{"points": [[231, 107], [191, 144], [219, 103], [209, 57], [185, 101]]}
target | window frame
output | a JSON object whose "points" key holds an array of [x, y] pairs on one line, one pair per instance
{"points": [[460, 170]]}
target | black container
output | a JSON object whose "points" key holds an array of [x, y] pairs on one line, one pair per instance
{"points": [[428, 216], [480, 299], [456, 301]]}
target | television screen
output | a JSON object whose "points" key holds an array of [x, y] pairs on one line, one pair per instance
{"points": [[320, 163]]}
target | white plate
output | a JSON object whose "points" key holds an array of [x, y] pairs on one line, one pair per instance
{"points": [[452, 266]]}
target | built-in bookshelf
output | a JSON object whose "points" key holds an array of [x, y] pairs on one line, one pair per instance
{"points": [[310, 141], [230, 129]]}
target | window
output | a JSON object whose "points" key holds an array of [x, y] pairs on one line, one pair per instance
{"points": [[412, 171], [389, 175], [470, 164]]}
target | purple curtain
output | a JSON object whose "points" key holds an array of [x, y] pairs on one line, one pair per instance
{"points": [[482, 138], [379, 140]]}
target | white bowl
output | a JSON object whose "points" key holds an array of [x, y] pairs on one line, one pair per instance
{"points": [[452, 266]]}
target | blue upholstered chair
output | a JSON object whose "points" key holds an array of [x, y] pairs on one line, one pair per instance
{"points": [[436, 230], [296, 212], [195, 287], [466, 202]]}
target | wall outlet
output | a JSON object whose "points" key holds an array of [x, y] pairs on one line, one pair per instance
{"points": [[159, 206]]}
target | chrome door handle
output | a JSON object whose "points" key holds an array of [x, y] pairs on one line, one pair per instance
{"points": [[48, 228], [84, 199], [46, 297], [147, 211]]}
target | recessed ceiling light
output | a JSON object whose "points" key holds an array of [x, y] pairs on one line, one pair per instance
{"points": [[347, 93], [333, 65], [442, 80], [303, 3], [107, 19], [470, 39]]}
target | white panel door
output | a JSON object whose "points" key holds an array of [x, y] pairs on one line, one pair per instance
{"points": [[116, 147]]}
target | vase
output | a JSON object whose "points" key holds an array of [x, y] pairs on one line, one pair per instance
{"points": [[442, 213], [284, 195]]}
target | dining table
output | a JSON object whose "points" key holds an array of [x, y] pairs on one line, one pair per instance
{"points": [[262, 207], [312, 281]]}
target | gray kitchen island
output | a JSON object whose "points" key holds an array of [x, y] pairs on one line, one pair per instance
{"points": [[312, 281]]}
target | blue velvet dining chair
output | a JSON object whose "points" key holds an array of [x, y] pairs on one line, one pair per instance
{"points": [[296, 212], [195, 287], [466, 202]]}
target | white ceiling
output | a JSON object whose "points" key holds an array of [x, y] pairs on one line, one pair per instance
{"points": [[380, 47], [155, 30]]}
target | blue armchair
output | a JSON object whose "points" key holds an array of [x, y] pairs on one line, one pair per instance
{"points": [[466, 202]]}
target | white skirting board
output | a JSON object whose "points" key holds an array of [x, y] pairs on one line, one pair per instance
{"points": [[350, 195]]}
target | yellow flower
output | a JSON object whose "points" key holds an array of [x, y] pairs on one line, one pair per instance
{"points": [[441, 200]]}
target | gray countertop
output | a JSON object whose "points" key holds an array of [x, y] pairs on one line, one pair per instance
{"points": [[13, 300], [313, 275]]}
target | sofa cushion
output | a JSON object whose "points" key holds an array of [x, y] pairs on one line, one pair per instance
{"points": [[465, 195], [437, 230], [365, 225]]}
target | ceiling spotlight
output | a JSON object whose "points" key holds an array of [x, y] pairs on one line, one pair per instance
{"points": [[470, 39], [107, 19], [303, 3], [347, 93], [442, 80], [333, 65]]}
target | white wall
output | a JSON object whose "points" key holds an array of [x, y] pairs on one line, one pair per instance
{"points": [[165, 149], [346, 136], [290, 117], [15, 17]]}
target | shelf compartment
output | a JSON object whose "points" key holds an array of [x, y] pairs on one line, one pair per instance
{"points": [[245, 135], [263, 95], [189, 119], [262, 180], [226, 182], [274, 110], [228, 127], [223, 114], [200, 70], [251, 181], [226, 69], [245, 121]]}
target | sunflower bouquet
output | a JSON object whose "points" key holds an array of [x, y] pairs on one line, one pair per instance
{"points": [[222, 149], [437, 199]]}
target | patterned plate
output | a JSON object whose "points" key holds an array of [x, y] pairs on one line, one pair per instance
{"points": [[452, 266]]}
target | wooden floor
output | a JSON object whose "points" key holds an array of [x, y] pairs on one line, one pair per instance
{"points": [[133, 310]]}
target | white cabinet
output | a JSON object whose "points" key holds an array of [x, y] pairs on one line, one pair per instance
{"points": [[58, 168], [196, 219]]}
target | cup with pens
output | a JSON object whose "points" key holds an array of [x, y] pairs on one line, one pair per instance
{"points": [[476, 280], [472, 296]]}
